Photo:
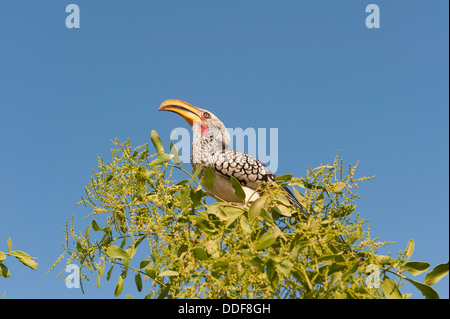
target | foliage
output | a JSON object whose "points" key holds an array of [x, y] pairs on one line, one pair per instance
{"points": [[164, 235], [21, 256]]}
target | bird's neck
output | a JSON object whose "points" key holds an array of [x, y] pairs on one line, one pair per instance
{"points": [[206, 143]]}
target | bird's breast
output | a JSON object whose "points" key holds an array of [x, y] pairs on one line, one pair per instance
{"points": [[223, 188]]}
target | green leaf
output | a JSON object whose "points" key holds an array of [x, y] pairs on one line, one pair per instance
{"points": [[106, 239], [80, 247], [197, 171], [238, 191], [256, 262], [163, 158], [144, 263], [271, 273], [138, 281], [426, 290], [267, 239], [264, 241], [245, 225], [345, 210], [232, 211], [108, 274], [185, 192], [182, 182], [215, 209], [300, 197], [300, 276], [203, 224], [200, 253], [337, 187], [99, 276], [29, 262], [4, 271], [231, 214], [25, 259], [283, 265], [285, 177], [151, 273], [318, 206], [157, 142], [95, 226], [266, 216], [339, 295], [176, 155], [183, 248], [255, 209], [109, 178], [409, 249], [196, 196], [283, 210], [221, 265], [302, 200], [164, 291], [114, 251], [438, 272], [390, 289], [119, 287], [352, 269], [383, 259], [281, 199], [9, 245], [131, 250], [143, 156], [2, 256], [208, 180], [168, 273], [415, 267], [303, 183], [335, 277], [336, 266], [354, 237], [328, 257]]}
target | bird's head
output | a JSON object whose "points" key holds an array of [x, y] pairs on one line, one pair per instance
{"points": [[202, 121]]}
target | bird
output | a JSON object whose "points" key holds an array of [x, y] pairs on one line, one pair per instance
{"points": [[210, 148]]}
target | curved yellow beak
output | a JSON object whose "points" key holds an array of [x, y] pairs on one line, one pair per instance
{"points": [[187, 111]]}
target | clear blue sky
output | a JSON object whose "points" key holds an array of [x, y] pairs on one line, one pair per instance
{"points": [[309, 68]]}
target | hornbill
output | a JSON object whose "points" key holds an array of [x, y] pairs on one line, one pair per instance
{"points": [[210, 149]]}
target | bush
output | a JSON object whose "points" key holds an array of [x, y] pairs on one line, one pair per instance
{"points": [[263, 249]]}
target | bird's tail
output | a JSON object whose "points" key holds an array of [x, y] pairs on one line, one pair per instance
{"points": [[294, 201]]}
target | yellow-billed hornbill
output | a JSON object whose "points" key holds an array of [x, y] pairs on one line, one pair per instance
{"points": [[210, 148]]}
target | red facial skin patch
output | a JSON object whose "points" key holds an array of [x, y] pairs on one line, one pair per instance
{"points": [[204, 127]]}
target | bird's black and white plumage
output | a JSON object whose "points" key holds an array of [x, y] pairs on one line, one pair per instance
{"points": [[210, 149]]}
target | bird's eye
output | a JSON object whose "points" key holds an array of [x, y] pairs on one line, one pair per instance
{"points": [[206, 115]]}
